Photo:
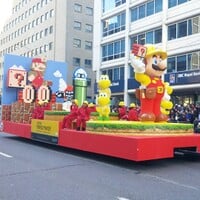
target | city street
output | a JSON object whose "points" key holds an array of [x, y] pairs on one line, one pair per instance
{"points": [[31, 170]]}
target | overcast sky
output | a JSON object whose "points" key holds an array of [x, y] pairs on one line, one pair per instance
{"points": [[5, 11]]}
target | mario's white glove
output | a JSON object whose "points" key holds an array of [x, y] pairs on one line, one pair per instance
{"points": [[137, 64]]}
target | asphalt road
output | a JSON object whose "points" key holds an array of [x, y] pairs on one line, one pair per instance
{"points": [[32, 170]]}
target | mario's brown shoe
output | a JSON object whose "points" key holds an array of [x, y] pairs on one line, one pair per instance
{"points": [[147, 117], [161, 118]]}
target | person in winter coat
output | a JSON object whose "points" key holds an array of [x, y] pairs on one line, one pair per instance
{"points": [[68, 119], [83, 115]]}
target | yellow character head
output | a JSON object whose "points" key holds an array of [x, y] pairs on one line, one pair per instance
{"points": [[104, 82], [103, 99]]}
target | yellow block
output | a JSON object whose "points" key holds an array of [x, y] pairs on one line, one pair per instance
{"points": [[45, 127]]}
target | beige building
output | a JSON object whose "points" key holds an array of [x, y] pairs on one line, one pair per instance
{"points": [[60, 30]]}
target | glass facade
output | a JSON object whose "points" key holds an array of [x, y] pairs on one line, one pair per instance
{"points": [[114, 73], [184, 62], [184, 28], [172, 3], [146, 9], [114, 24], [113, 50], [150, 37], [110, 4]]}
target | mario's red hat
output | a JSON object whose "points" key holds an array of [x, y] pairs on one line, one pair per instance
{"points": [[37, 60]]}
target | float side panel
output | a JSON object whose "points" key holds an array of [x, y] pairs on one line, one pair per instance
{"points": [[19, 129], [116, 146], [163, 147]]}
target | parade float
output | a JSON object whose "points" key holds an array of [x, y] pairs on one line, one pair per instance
{"points": [[29, 81]]}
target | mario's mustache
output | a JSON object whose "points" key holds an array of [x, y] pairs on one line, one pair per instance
{"points": [[157, 68]]}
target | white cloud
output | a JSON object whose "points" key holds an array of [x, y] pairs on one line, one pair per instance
{"points": [[17, 67]]}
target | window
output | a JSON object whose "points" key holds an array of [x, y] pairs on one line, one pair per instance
{"points": [[149, 37], [194, 61], [77, 25], [141, 11], [113, 50], [37, 36], [110, 74], [89, 11], [172, 3], [76, 61], [50, 29], [172, 32], [41, 34], [42, 18], [158, 36], [46, 31], [171, 64], [77, 43], [77, 8], [152, 37], [141, 39], [181, 63], [115, 73], [147, 9], [121, 75], [114, 24], [150, 8], [182, 29], [88, 63], [45, 48], [110, 4], [51, 14], [50, 46], [88, 45], [89, 81], [46, 15], [134, 14], [158, 5], [190, 61], [88, 28]]}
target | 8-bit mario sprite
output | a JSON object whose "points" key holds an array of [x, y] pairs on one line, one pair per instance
{"points": [[149, 66]]}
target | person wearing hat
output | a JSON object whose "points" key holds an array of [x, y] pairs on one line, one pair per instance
{"points": [[83, 115], [38, 111], [92, 107], [149, 70], [122, 111], [68, 119], [46, 105], [132, 113]]}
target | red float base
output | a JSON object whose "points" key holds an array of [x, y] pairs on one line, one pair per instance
{"points": [[136, 148]]}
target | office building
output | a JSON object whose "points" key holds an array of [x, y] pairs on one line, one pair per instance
{"points": [[173, 25]]}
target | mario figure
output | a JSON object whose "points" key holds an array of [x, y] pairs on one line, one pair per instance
{"points": [[35, 76], [153, 92]]}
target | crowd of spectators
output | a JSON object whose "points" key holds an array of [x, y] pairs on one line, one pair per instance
{"points": [[184, 113], [179, 113]]}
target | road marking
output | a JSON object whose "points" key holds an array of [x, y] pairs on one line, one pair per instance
{"points": [[122, 198], [171, 182], [5, 155]]}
